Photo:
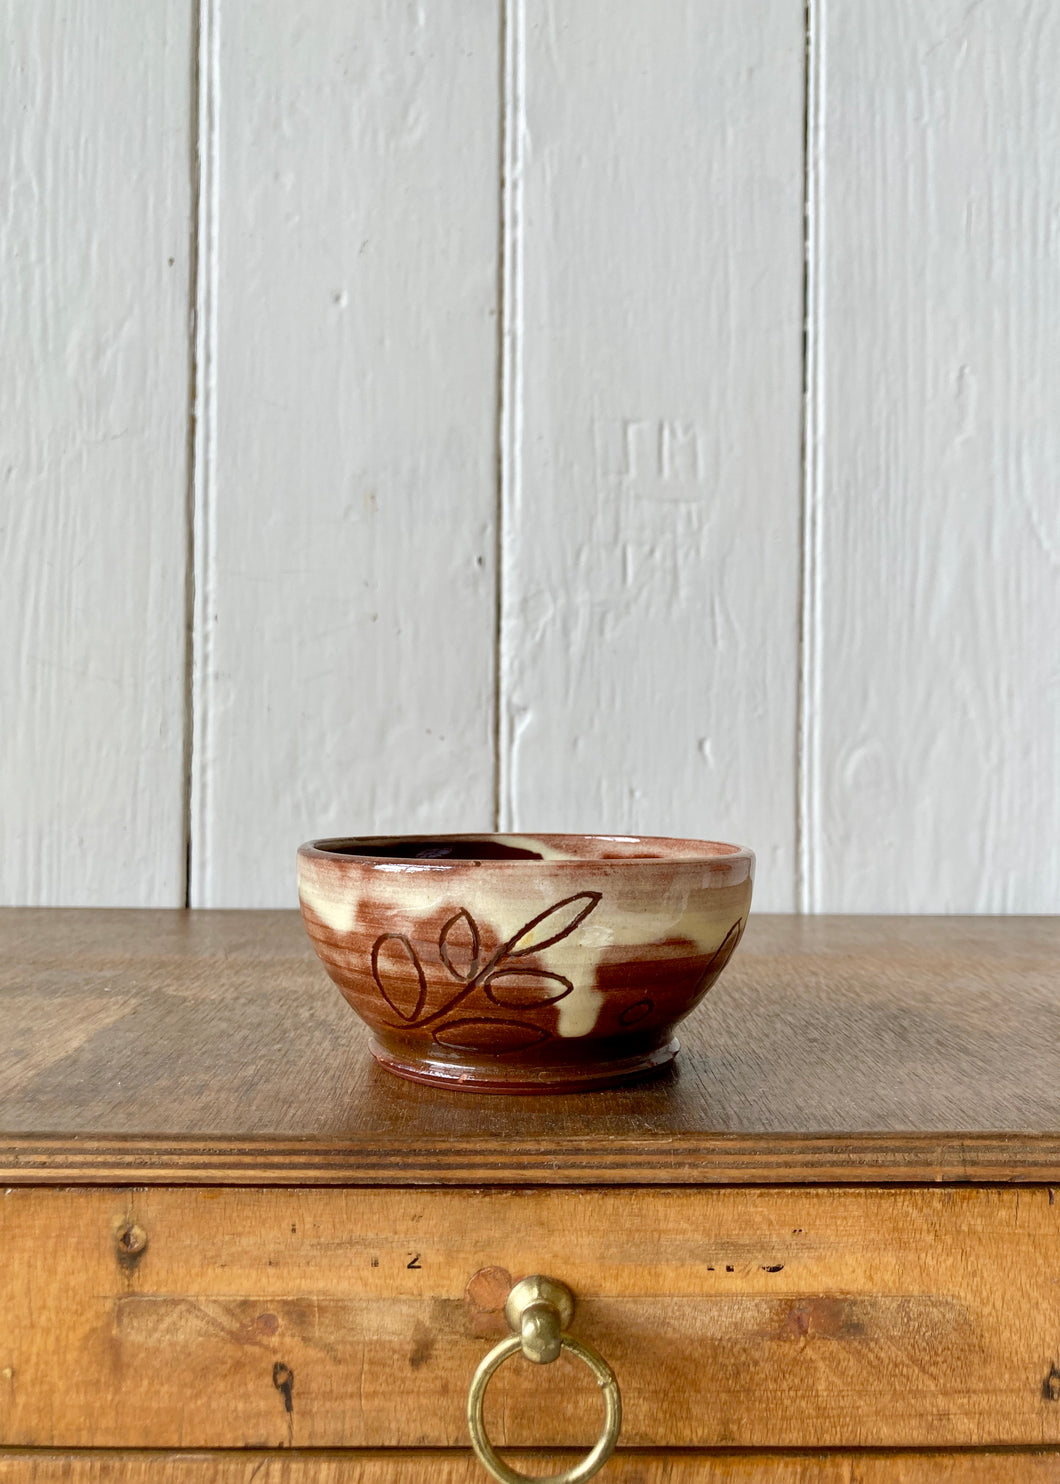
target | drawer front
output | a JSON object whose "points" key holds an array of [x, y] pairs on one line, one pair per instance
{"points": [[651, 1467], [354, 1318]]}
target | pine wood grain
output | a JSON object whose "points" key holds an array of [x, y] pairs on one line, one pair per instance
{"points": [[211, 1047], [95, 232], [453, 1467], [327, 1318], [648, 666]]}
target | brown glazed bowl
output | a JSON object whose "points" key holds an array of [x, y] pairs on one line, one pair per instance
{"points": [[520, 963]]}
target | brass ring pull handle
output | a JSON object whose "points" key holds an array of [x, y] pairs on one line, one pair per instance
{"points": [[539, 1310]]}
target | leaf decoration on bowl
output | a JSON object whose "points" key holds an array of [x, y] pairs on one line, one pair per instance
{"points": [[451, 947], [484, 1033], [400, 991], [634, 1014], [459, 949], [524, 989], [721, 955], [553, 925]]}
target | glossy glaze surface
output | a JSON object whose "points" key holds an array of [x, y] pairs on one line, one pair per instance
{"points": [[523, 963]]}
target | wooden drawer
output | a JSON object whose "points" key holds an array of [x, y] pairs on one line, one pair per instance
{"points": [[330, 1318]]}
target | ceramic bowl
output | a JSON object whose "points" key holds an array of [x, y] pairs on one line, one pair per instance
{"points": [[519, 963]]}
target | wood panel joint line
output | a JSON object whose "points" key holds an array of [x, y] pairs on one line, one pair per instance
{"points": [[203, 426], [190, 444], [510, 401], [807, 822]]}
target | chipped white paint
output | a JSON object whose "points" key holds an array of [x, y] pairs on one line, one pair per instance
{"points": [[94, 236], [350, 633], [938, 693], [651, 581], [512, 293]]}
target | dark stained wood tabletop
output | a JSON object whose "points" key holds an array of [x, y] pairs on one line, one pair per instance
{"points": [[210, 1046]]}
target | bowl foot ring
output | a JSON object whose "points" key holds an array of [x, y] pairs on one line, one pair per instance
{"points": [[527, 1080]]}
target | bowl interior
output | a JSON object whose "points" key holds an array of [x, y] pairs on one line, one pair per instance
{"points": [[528, 847]]}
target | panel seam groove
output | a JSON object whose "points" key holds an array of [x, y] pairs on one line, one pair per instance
{"points": [[510, 402], [807, 822], [203, 463], [189, 456]]}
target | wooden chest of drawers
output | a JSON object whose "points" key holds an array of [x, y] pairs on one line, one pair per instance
{"points": [[824, 1247]]}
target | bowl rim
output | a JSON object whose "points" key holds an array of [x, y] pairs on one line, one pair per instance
{"points": [[698, 852]]}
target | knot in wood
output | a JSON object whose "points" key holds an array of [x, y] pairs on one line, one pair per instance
{"points": [[131, 1239]]}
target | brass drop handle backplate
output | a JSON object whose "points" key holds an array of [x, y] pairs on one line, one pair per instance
{"points": [[539, 1311]]}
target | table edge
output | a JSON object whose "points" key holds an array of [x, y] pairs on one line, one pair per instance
{"points": [[678, 1159]]}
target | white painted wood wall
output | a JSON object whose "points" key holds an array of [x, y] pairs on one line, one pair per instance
{"points": [[637, 415]]}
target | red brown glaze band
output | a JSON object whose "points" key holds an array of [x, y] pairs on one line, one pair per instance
{"points": [[524, 963]]}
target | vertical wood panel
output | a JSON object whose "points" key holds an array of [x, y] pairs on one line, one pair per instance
{"points": [[349, 626], [651, 581], [939, 683], [94, 244]]}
